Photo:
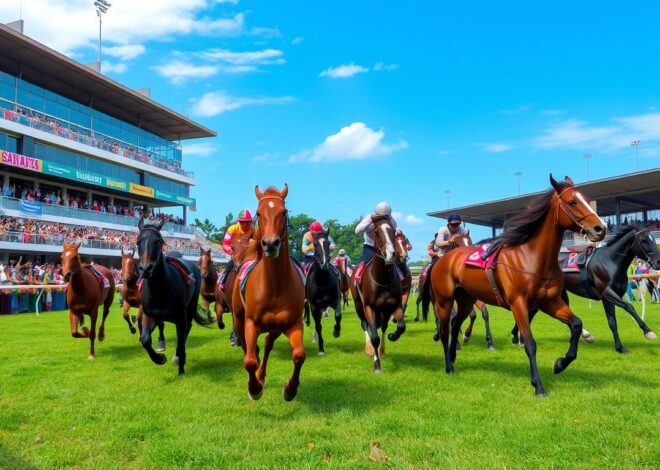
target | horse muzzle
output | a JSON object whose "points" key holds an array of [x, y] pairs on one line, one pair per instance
{"points": [[596, 233], [67, 276], [146, 271], [271, 246]]}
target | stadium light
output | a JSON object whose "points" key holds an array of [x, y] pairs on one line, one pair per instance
{"points": [[635, 143], [447, 192], [518, 174], [586, 157], [101, 8]]}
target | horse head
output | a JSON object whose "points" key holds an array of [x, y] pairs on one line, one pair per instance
{"points": [[573, 212], [401, 244], [462, 240], [645, 247], [322, 248], [384, 238], [128, 271], [273, 217], [150, 247], [205, 262], [70, 260]]}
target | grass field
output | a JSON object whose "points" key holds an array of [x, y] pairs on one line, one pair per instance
{"points": [[59, 410]]}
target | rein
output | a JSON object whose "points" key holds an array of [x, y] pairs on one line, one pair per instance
{"points": [[637, 242], [560, 203]]}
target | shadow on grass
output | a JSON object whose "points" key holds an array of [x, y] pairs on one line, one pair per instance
{"points": [[10, 461]]}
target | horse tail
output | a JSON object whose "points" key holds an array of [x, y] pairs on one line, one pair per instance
{"points": [[201, 318], [425, 295]]}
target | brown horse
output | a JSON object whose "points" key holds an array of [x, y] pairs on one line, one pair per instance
{"points": [[526, 274], [344, 281], [401, 244], [130, 292], [378, 296], [274, 296], [85, 294], [209, 279]]}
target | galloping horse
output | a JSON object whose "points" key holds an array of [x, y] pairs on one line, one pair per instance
{"points": [[85, 293], [209, 279], [322, 288], [401, 244], [273, 298], [344, 281], [527, 273], [170, 292], [378, 296], [130, 292], [606, 276]]}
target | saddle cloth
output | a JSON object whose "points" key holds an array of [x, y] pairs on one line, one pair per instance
{"points": [[248, 267], [477, 259], [182, 268], [575, 261], [104, 283], [361, 268]]}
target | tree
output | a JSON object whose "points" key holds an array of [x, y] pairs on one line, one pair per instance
{"points": [[298, 225], [207, 227]]}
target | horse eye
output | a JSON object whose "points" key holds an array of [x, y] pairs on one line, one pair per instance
{"points": [[572, 202]]}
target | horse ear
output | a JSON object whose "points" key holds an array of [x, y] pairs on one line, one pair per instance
{"points": [[555, 184], [160, 224], [568, 180], [122, 251], [140, 223], [284, 191], [201, 250], [258, 193], [327, 232]]}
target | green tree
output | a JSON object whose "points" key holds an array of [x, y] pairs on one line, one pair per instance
{"points": [[298, 225], [207, 227]]}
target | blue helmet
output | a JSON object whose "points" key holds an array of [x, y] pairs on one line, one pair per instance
{"points": [[453, 218]]}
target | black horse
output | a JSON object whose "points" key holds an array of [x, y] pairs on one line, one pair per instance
{"points": [[322, 288], [170, 292], [607, 276]]}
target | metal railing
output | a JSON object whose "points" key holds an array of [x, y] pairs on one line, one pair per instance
{"points": [[91, 215], [582, 241], [82, 135]]}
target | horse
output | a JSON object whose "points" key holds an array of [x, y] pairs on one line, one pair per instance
{"points": [[274, 296], [526, 274], [401, 244], [344, 280], [170, 291], [85, 293], [378, 296], [322, 288], [607, 276], [130, 292], [209, 279]]}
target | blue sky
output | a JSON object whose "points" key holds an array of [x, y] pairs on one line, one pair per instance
{"points": [[354, 102]]}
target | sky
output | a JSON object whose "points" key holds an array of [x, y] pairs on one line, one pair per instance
{"points": [[423, 104]]}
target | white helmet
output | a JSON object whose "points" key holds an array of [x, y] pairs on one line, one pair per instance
{"points": [[383, 208], [342, 252]]}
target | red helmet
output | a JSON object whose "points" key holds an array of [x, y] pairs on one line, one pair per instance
{"points": [[244, 216], [316, 227]]}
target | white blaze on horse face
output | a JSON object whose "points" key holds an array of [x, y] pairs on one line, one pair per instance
{"points": [[389, 246], [271, 204], [321, 242], [580, 197]]}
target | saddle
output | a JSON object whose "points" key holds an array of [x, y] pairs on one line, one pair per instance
{"points": [[183, 269], [484, 257], [577, 259], [104, 283], [248, 267], [580, 248]]}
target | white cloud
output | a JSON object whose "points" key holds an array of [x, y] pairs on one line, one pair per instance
{"points": [[127, 52], [551, 112], [233, 2], [109, 67], [353, 142], [265, 32], [407, 219], [266, 159], [297, 40], [414, 220], [343, 71], [218, 102], [523, 108], [266, 56], [495, 147], [200, 149], [178, 71], [383, 66]]}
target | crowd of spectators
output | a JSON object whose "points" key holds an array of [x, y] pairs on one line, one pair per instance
{"points": [[85, 136]]}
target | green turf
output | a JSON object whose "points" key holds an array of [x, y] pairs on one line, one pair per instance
{"points": [[59, 410]]}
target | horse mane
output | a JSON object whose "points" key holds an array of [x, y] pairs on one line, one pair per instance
{"points": [[271, 191], [623, 231], [520, 228]]}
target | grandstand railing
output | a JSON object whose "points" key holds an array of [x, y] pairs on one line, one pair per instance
{"points": [[583, 241], [91, 215], [59, 240], [85, 136]]}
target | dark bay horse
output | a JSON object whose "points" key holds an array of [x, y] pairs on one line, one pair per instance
{"points": [[209, 279], [526, 274], [274, 296], [344, 280], [130, 292], [607, 276], [322, 288], [85, 294], [378, 296], [401, 244], [168, 293]]}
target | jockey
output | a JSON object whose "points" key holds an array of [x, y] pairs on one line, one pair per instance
{"points": [[241, 229], [399, 233], [307, 247], [448, 234], [366, 228], [343, 257]]}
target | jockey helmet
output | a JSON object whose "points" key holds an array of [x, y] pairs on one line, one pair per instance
{"points": [[244, 216], [383, 208], [454, 218], [316, 227], [342, 252]]}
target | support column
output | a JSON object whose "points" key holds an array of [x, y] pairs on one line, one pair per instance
{"points": [[645, 216], [185, 215], [617, 203], [494, 230]]}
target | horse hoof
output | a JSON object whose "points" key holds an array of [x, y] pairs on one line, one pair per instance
{"points": [[491, 348], [315, 337], [133, 330], [321, 353], [162, 359], [436, 337], [133, 318], [378, 371], [256, 396], [650, 335], [288, 396], [392, 336], [336, 332], [622, 350], [181, 374], [558, 367], [416, 320], [175, 359], [588, 338], [161, 346], [85, 331], [221, 325], [465, 339], [450, 371], [541, 394], [90, 357]]}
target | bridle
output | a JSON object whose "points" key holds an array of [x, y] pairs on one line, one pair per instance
{"points": [[380, 253], [637, 241], [286, 215], [576, 221], [160, 238]]}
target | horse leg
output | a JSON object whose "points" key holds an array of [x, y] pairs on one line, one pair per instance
{"points": [[521, 315], [486, 317], [468, 330], [465, 305], [610, 295], [207, 306], [147, 327], [562, 312], [92, 331], [106, 311], [400, 326], [372, 330], [515, 340], [443, 309], [337, 329], [316, 314], [127, 318], [74, 320], [182, 329], [250, 361], [298, 355], [417, 302], [268, 347], [219, 310], [160, 346], [610, 313]]}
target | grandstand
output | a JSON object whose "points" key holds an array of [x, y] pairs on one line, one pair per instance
{"points": [[620, 200], [84, 157]]}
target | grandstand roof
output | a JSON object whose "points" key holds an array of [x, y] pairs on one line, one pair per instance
{"points": [[53, 71], [636, 192]]}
